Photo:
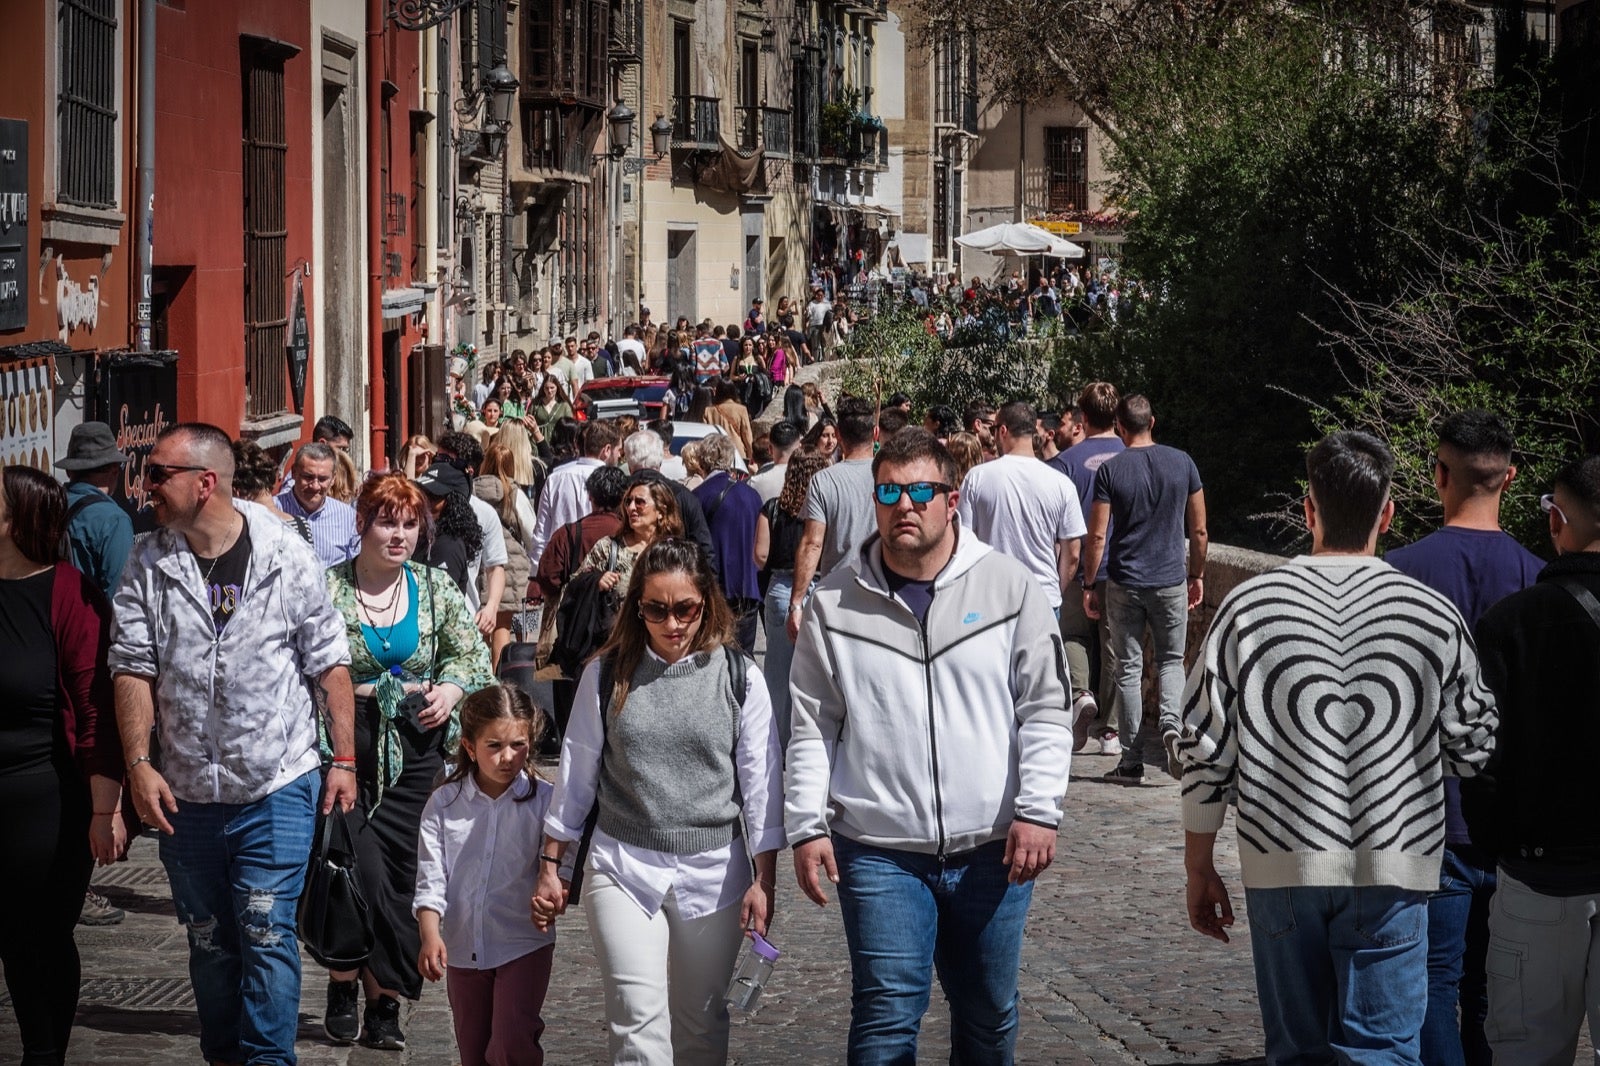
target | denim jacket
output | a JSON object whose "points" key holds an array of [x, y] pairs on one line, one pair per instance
{"points": [[233, 710]]}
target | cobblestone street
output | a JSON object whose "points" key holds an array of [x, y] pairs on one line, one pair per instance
{"points": [[1110, 973]]}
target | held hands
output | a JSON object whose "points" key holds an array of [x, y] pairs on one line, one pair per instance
{"points": [[1029, 850], [151, 796], [433, 959], [108, 838], [1210, 910], [807, 857], [760, 901], [1091, 603], [549, 898]]}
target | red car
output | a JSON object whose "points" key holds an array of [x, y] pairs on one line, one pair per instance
{"points": [[605, 398]]}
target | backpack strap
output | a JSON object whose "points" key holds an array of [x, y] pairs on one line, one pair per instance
{"points": [[85, 502], [1586, 599]]}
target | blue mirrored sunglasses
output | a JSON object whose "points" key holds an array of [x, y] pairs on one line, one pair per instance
{"points": [[888, 492]]}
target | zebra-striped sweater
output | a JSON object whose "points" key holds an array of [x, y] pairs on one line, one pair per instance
{"points": [[1332, 696]]}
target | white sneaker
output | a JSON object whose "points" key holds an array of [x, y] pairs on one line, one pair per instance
{"points": [[1110, 745], [1084, 708]]}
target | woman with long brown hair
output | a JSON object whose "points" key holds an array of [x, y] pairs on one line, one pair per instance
{"points": [[649, 513], [673, 755], [779, 529], [60, 758]]}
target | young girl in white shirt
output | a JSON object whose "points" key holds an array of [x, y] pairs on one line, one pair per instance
{"points": [[477, 867]]}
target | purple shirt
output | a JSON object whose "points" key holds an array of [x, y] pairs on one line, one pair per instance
{"points": [[1080, 462]]}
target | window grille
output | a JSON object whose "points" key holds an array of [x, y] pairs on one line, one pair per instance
{"points": [[86, 174], [1066, 161], [265, 236]]}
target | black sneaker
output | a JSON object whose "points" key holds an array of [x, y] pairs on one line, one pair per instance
{"points": [[1125, 775], [340, 1021], [380, 1025]]}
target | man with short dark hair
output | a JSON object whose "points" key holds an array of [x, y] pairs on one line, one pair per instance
{"points": [[1535, 809], [839, 514], [1474, 563], [1088, 639], [785, 440], [566, 496], [334, 432], [891, 420], [333, 523], [932, 811], [978, 419], [225, 637], [1017, 505], [1332, 696], [1146, 500]]}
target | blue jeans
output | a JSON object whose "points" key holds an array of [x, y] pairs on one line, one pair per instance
{"points": [[1342, 973], [1458, 941], [906, 914], [780, 650], [236, 872], [1166, 612]]}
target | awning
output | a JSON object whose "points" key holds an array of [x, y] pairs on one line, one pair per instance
{"points": [[397, 303]]}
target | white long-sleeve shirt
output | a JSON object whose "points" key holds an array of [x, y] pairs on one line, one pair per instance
{"points": [[478, 866], [703, 882], [565, 499]]}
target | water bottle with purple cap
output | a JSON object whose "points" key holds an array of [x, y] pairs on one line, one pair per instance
{"points": [[750, 977]]}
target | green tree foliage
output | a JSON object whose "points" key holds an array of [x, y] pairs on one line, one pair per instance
{"points": [[1272, 175]]}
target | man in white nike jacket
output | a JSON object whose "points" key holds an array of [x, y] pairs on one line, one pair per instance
{"points": [[928, 762]]}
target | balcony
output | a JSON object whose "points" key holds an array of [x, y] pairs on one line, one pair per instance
{"points": [[557, 142], [695, 124], [626, 47], [775, 132], [748, 120]]}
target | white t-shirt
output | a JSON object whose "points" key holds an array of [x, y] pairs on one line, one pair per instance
{"points": [[770, 482], [816, 311], [1020, 506], [491, 553], [634, 345]]}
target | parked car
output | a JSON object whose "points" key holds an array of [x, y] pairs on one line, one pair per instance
{"points": [[605, 398], [684, 432]]}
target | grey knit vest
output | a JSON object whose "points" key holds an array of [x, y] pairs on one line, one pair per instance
{"points": [[667, 780]]}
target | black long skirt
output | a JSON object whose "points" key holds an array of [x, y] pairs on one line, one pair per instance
{"points": [[386, 844]]}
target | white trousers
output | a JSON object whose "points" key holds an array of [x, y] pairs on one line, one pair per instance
{"points": [[664, 975], [1544, 973]]}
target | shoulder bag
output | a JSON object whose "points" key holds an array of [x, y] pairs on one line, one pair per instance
{"points": [[333, 921]]}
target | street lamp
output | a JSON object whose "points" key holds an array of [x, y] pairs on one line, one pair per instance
{"points": [[620, 122], [500, 89], [661, 136]]}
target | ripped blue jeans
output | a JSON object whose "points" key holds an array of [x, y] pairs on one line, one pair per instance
{"points": [[236, 872]]}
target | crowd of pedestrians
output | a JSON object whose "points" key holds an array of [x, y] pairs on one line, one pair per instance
{"points": [[953, 606]]}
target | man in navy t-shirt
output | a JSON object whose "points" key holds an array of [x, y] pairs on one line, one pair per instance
{"points": [[1086, 639], [1475, 564], [1148, 521]]}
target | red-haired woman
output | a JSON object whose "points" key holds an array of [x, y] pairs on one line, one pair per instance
{"points": [[60, 758], [410, 631]]}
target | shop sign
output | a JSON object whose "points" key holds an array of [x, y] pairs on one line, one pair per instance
{"points": [[13, 223], [137, 396], [1060, 229], [27, 408]]}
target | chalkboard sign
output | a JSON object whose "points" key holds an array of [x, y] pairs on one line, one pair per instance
{"points": [[13, 224]]}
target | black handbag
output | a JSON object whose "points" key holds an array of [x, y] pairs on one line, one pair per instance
{"points": [[333, 921]]}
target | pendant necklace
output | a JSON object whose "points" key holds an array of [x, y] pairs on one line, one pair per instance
{"points": [[394, 598]]}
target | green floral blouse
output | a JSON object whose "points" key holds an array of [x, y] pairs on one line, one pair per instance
{"points": [[449, 648]]}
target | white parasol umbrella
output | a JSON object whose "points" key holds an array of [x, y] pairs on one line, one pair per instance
{"points": [[1020, 238]]}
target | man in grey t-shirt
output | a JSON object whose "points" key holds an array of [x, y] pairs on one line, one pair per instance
{"points": [[840, 513]]}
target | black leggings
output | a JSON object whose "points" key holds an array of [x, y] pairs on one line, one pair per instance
{"points": [[44, 835]]}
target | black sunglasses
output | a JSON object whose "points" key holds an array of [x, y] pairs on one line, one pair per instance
{"points": [[888, 492], [685, 611], [160, 474]]}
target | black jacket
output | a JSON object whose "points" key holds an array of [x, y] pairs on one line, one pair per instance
{"points": [[1536, 804]]}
